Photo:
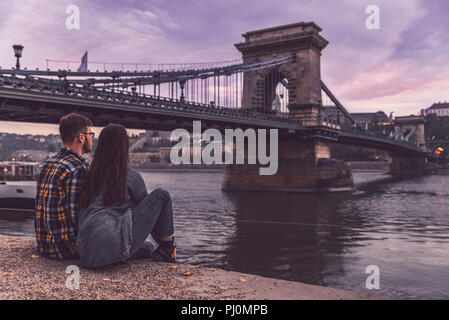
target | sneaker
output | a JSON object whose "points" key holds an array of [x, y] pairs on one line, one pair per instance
{"points": [[166, 252]]}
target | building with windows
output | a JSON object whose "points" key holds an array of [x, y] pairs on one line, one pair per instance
{"points": [[367, 119], [440, 109], [32, 155], [17, 170]]}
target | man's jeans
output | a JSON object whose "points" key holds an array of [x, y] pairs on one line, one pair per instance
{"points": [[154, 215]]}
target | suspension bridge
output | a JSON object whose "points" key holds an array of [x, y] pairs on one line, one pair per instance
{"points": [[276, 85]]}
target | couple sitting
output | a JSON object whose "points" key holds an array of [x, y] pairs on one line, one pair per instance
{"points": [[101, 214]]}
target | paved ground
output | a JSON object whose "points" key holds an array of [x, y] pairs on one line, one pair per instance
{"points": [[26, 275]]}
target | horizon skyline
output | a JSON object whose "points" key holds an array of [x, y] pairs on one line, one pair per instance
{"points": [[402, 67]]}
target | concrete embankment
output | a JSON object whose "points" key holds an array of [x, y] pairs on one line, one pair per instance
{"points": [[26, 275]]}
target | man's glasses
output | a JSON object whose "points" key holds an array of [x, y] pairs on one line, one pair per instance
{"points": [[92, 134]]}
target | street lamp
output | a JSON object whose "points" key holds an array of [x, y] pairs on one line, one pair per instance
{"points": [[18, 53]]}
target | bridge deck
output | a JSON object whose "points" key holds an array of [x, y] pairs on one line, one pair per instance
{"points": [[134, 111], [23, 101]]}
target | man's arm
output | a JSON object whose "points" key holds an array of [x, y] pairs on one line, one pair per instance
{"points": [[73, 192]]}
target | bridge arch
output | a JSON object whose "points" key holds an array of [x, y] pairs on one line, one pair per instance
{"points": [[269, 84]]}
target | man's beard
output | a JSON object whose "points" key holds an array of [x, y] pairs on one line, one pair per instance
{"points": [[86, 147]]}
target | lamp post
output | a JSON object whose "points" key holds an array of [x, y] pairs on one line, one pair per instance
{"points": [[18, 53]]}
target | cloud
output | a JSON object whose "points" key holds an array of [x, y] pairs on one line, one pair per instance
{"points": [[367, 70], [129, 34], [411, 63]]}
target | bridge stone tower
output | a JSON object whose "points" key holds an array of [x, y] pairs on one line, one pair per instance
{"points": [[303, 76], [305, 162], [410, 128]]}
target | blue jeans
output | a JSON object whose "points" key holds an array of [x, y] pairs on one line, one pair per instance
{"points": [[154, 215]]}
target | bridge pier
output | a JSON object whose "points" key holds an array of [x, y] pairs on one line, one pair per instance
{"points": [[303, 166], [406, 164]]}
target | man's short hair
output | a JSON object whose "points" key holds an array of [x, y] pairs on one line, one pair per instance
{"points": [[72, 125]]}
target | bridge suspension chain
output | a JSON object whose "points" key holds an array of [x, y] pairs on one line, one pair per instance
{"points": [[189, 84], [150, 77], [340, 107]]}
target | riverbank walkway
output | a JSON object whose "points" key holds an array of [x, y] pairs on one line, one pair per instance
{"points": [[26, 275]]}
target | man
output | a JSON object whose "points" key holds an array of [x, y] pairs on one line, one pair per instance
{"points": [[58, 190]]}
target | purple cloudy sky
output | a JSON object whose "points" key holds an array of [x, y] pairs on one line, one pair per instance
{"points": [[403, 67]]}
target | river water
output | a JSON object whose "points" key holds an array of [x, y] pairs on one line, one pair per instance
{"points": [[400, 226]]}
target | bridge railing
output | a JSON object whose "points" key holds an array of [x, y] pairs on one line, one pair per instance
{"points": [[356, 131], [61, 87]]}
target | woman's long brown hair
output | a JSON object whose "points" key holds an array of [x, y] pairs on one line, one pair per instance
{"points": [[109, 168]]}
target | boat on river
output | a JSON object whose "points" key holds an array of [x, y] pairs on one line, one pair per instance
{"points": [[18, 185]]}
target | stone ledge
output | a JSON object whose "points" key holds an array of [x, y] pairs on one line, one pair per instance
{"points": [[26, 275]]}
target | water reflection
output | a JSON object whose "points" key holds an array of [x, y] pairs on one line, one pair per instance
{"points": [[17, 223], [401, 225], [278, 232]]}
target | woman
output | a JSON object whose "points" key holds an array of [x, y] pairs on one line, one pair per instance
{"points": [[117, 214]]}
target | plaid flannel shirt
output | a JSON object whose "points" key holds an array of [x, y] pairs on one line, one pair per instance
{"points": [[57, 203]]}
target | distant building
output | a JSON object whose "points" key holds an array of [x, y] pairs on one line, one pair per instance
{"points": [[164, 154], [39, 139], [16, 170], [370, 118], [144, 157], [158, 134], [440, 109], [363, 119], [150, 141], [31, 155]]}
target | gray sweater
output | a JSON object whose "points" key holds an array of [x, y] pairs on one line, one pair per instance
{"points": [[105, 233]]}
